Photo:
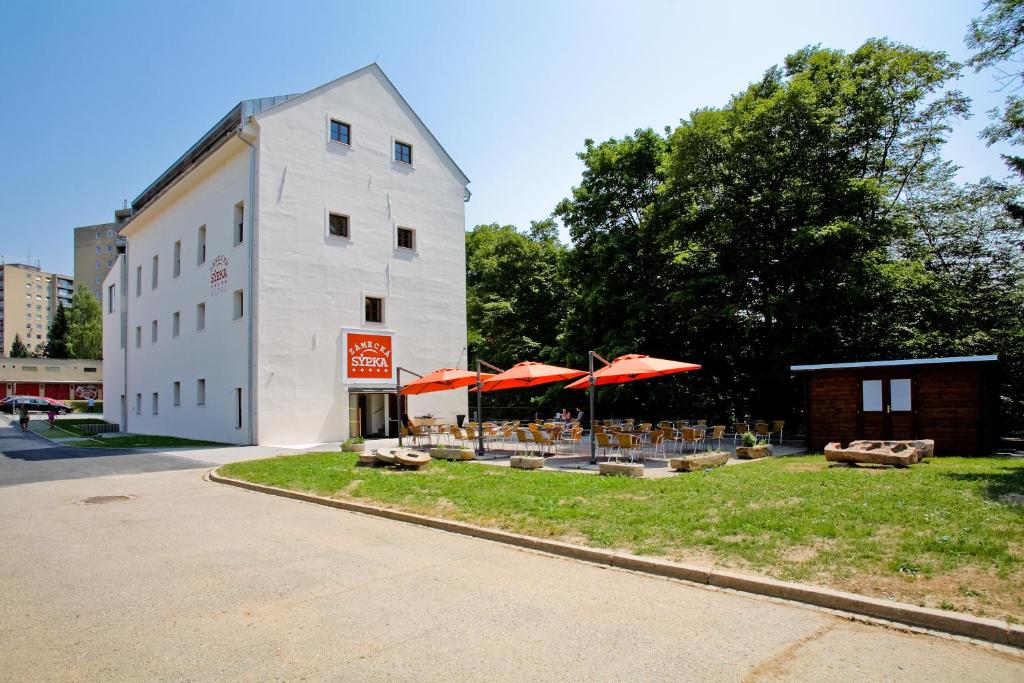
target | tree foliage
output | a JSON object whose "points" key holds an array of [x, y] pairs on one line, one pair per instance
{"points": [[18, 348], [85, 326], [57, 335], [810, 219]]}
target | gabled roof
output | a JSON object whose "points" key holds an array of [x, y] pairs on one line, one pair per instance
{"points": [[210, 140], [896, 363], [374, 67], [240, 113]]}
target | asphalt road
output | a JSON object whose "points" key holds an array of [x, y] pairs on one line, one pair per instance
{"points": [[183, 579], [27, 458]]}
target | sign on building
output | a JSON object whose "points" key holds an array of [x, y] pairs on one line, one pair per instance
{"points": [[367, 357]]}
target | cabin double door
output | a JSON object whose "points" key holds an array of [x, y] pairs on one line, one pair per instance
{"points": [[888, 406]]}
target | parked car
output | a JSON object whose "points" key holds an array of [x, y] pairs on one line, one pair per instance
{"points": [[36, 404]]}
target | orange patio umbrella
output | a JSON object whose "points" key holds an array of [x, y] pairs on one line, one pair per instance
{"points": [[529, 374], [631, 367], [442, 380]]}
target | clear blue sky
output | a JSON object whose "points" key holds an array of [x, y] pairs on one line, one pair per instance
{"points": [[98, 98]]}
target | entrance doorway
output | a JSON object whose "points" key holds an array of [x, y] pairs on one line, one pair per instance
{"points": [[888, 405], [374, 414]]}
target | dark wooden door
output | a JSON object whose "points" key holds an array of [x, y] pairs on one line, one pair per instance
{"points": [[888, 405]]}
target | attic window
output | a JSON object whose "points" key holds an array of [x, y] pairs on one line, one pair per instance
{"points": [[403, 153], [341, 132]]}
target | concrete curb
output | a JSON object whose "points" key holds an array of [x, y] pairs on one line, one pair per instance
{"points": [[980, 628]]}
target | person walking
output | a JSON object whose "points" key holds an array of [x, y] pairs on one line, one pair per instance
{"points": [[51, 416], [91, 403], [23, 415]]}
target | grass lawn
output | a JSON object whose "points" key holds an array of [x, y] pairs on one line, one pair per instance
{"points": [[947, 533]]}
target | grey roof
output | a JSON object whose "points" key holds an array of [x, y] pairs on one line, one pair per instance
{"points": [[895, 363], [209, 141]]}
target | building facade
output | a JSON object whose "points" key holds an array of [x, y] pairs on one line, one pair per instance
{"points": [[59, 378], [96, 251], [277, 276], [28, 301]]}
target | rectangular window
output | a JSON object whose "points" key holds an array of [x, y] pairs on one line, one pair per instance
{"points": [[899, 395], [177, 258], [403, 152], [153, 334], [239, 224], [176, 324], [341, 132], [237, 304], [337, 225], [110, 299], [238, 407], [176, 394], [407, 238], [138, 337], [138, 404], [138, 281], [201, 317], [200, 392], [156, 271], [99, 250], [374, 309], [201, 246], [156, 403], [110, 232], [872, 390]]}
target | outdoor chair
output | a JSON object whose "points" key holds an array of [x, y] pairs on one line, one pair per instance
{"points": [[717, 432], [645, 429], [777, 426], [605, 442], [692, 436], [524, 439], [739, 429], [702, 423], [665, 425], [628, 444], [543, 441], [763, 432], [656, 442], [573, 436], [423, 433]]}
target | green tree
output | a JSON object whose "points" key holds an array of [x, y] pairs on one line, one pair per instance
{"points": [[18, 348], [56, 336], [85, 326], [998, 39]]}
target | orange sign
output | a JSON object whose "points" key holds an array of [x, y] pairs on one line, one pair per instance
{"points": [[368, 356]]}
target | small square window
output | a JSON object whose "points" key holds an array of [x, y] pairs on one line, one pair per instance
{"points": [[407, 238], [340, 132], [403, 152], [337, 225], [374, 309]]}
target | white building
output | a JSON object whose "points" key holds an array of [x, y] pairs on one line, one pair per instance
{"points": [[276, 276]]}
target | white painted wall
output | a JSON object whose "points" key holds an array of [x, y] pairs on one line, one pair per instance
{"points": [[310, 286], [217, 354]]}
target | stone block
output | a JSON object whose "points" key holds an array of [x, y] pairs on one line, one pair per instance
{"points": [[699, 461], [526, 462], [760, 451], [622, 469]]}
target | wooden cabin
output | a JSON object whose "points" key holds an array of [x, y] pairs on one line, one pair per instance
{"points": [[954, 401]]}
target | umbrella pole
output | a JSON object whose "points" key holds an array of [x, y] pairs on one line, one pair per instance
{"points": [[398, 391], [479, 409], [591, 388]]}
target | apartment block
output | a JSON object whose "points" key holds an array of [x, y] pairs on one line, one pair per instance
{"points": [[28, 302], [96, 251]]}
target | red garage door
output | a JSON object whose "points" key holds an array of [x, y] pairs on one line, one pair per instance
{"points": [[3, 390], [27, 388], [61, 392]]}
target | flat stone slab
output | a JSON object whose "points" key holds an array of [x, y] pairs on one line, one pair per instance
{"points": [[526, 462], [750, 452], [899, 454], [406, 457], [925, 447], [368, 460], [699, 461], [451, 454], [621, 469], [385, 456]]}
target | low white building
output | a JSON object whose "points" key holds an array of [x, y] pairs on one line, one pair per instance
{"points": [[274, 278]]}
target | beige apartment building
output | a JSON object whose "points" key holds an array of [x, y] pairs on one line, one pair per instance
{"points": [[28, 302], [96, 251]]}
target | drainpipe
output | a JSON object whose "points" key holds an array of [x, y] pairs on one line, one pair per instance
{"points": [[251, 203]]}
